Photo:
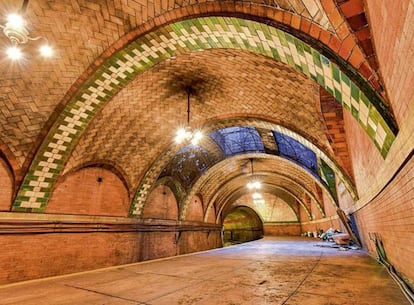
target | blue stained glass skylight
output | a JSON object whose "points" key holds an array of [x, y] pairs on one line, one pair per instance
{"points": [[293, 150], [235, 140], [188, 165]]}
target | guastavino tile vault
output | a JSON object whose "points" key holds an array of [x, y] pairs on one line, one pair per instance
{"points": [[295, 117]]}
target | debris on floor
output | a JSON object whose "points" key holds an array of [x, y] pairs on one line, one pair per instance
{"points": [[330, 244], [336, 239]]}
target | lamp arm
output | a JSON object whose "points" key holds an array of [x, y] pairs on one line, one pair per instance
{"points": [[188, 107], [36, 38], [24, 6]]}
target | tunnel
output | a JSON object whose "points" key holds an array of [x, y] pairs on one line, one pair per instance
{"points": [[152, 132], [240, 225]]}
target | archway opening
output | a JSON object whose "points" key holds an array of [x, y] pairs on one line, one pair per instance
{"points": [[241, 224]]}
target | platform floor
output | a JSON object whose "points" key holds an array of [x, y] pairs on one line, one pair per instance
{"points": [[269, 271]]}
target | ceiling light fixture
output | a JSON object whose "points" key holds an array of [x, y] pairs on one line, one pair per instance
{"points": [[253, 184], [15, 30], [186, 134]]}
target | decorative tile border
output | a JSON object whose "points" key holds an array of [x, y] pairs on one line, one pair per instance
{"points": [[166, 42]]}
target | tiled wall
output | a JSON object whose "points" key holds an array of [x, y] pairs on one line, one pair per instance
{"points": [[391, 215]]}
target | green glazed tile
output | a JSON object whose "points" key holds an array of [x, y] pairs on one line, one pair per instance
{"points": [[354, 91]]}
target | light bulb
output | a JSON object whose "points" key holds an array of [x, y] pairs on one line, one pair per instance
{"points": [[197, 136], [46, 50], [181, 135], [14, 53], [15, 21], [258, 201], [256, 195], [254, 185]]}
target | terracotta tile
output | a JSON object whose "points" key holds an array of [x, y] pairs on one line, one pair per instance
{"points": [[305, 25], [287, 17], [315, 30], [279, 15], [356, 58], [329, 6], [295, 22], [334, 43], [365, 70], [347, 45], [357, 22], [325, 37], [335, 18], [352, 8], [342, 31], [363, 34]]}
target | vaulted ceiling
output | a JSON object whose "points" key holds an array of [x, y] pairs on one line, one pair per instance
{"points": [[115, 93]]}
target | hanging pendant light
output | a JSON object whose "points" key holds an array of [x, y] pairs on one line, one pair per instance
{"points": [[16, 31], [186, 134], [253, 184]]}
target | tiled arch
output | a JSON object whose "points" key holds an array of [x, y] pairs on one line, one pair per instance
{"points": [[177, 38], [277, 176], [283, 189], [200, 183]]}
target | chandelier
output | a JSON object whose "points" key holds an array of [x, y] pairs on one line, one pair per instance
{"points": [[187, 134], [16, 31]]}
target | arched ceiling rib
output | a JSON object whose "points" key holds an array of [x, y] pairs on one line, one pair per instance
{"points": [[236, 188], [241, 196], [276, 191]]}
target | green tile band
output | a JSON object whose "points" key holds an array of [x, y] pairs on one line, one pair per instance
{"points": [[166, 42]]}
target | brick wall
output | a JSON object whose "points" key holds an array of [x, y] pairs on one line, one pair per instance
{"points": [[282, 229], [198, 241], [31, 256], [195, 209], [41, 255], [324, 224], [211, 214], [82, 193], [161, 204], [391, 215], [6, 186]]}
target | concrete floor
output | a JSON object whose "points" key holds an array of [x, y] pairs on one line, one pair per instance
{"points": [[270, 271]]}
